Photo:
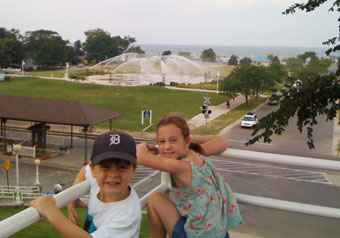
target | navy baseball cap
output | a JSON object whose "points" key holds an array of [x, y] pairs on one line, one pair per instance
{"points": [[114, 145]]}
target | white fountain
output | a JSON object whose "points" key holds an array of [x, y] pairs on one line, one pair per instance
{"points": [[132, 69]]}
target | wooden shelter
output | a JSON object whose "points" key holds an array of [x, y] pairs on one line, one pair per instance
{"points": [[44, 111]]}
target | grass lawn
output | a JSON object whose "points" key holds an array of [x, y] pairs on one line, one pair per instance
{"points": [[214, 126], [45, 229], [130, 101]]}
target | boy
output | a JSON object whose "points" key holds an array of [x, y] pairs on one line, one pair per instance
{"points": [[114, 208]]}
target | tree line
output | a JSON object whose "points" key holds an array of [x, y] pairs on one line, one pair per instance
{"points": [[47, 48], [312, 94], [248, 79]]}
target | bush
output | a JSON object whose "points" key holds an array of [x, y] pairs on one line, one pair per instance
{"points": [[7, 78], [29, 68], [159, 84], [173, 83]]}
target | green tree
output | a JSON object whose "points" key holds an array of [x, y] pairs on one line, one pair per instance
{"points": [[11, 48], [310, 6], [126, 42], [46, 47], [71, 55], [275, 61], [245, 61], [277, 73], [185, 54], [208, 55], [78, 50], [166, 52], [233, 60], [135, 49], [293, 66], [316, 94], [270, 57], [247, 80], [308, 54], [101, 45]]}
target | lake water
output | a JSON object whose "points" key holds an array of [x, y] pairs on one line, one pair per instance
{"points": [[240, 51]]}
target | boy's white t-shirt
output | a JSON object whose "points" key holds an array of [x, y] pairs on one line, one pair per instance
{"points": [[116, 219]]}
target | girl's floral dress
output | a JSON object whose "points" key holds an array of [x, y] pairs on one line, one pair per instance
{"points": [[208, 203]]}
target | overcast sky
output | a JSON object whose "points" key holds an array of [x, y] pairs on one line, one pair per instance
{"points": [[194, 22]]}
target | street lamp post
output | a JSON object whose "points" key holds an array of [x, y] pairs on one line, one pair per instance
{"points": [[17, 150], [22, 67], [217, 76], [66, 73], [37, 163], [141, 75]]}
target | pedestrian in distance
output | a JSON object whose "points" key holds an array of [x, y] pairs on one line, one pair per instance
{"points": [[204, 203], [114, 208], [57, 188], [228, 104]]}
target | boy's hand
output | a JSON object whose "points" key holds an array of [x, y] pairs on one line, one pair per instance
{"points": [[142, 149], [72, 212], [153, 148], [45, 205]]}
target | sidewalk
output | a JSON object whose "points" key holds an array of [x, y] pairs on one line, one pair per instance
{"points": [[216, 111]]}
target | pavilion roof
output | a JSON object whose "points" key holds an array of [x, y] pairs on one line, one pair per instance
{"points": [[53, 111]]}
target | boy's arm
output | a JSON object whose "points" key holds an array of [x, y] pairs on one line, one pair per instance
{"points": [[173, 166], [211, 144], [46, 206], [71, 207]]}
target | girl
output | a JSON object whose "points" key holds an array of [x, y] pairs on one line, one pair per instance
{"points": [[205, 205]]}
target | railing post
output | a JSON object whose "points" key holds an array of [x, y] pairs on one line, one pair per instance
{"points": [[165, 178]]}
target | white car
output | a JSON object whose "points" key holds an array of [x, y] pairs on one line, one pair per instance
{"points": [[249, 120]]}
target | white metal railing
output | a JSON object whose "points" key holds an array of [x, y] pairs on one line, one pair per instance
{"points": [[299, 161], [28, 151], [27, 217], [27, 189], [7, 195]]}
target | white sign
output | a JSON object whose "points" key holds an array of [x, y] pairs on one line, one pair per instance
{"points": [[2, 77], [145, 115]]}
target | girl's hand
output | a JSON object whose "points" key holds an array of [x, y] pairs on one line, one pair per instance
{"points": [[45, 205]]}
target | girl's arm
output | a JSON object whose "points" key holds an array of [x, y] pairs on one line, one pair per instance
{"points": [[211, 144], [47, 208], [173, 166]]}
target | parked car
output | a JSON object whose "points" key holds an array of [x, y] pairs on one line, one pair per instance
{"points": [[274, 99], [249, 120]]}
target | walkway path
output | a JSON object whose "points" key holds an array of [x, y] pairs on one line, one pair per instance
{"points": [[216, 111]]}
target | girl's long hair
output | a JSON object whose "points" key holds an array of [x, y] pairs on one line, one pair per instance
{"points": [[183, 126]]}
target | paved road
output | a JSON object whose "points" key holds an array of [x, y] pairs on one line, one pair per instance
{"points": [[292, 184], [291, 142], [263, 222]]}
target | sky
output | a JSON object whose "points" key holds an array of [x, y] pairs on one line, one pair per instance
{"points": [[180, 22]]}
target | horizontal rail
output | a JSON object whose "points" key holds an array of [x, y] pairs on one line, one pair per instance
{"points": [[288, 206], [27, 217], [282, 159]]}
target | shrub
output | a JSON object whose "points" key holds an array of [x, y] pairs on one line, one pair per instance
{"points": [[159, 84], [7, 78], [173, 83]]}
